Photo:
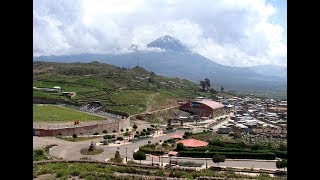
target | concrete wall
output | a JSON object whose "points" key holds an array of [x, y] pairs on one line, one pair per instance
{"points": [[85, 129]]}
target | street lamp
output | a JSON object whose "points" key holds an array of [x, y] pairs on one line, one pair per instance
{"points": [[126, 154], [207, 158]]}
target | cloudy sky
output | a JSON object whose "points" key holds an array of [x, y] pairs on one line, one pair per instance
{"points": [[230, 32]]}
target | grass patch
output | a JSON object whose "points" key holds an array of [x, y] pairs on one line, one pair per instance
{"points": [[85, 151], [43, 153], [104, 171], [77, 138], [52, 113]]}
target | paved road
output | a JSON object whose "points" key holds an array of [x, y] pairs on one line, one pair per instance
{"points": [[71, 151]]}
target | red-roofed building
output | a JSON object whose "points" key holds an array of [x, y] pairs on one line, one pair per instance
{"points": [[204, 107], [192, 143]]}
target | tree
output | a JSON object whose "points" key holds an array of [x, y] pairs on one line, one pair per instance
{"points": [[221, 88], [282, 147], [142, 133], [121, 130], [135, 126], [281, 163], [120, 138], [114, 131], [180, 147], [207, 82], [144, 130], [105, 131], [74, 136], [137, 132], [218, 158], [127, 129], [139, 155], [149, 142]]}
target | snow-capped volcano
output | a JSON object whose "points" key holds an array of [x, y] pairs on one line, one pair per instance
{"points": [[168, 43]]}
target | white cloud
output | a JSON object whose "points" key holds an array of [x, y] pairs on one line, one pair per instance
{"points": [[230, 32]]}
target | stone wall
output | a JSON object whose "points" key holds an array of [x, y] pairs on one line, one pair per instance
{"points": [[85, 129]]}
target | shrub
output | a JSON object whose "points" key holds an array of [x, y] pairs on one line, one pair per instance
{"points": [[160, 140], [148, 133], [137, 132], [142, 133], [164, 144], [114, 131], [281, 154], [134, 126], [74, 135], [144, 130], [120, 138], [107, 136], [149, 142], [136, 136], [139, 155], [105, 131], [121, 130], [149, 129], [96, 133], [231, 155], [180, 147]]}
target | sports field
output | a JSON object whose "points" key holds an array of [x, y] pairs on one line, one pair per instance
{"points": [[52, 113]]}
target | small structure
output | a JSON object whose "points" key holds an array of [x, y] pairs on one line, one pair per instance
{"points": [[204, 107], [92, 147], [192, 143]]}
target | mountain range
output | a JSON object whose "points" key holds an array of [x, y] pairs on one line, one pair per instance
{"points": [[174, 59]]}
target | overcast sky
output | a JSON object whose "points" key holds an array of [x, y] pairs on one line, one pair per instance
{"points": [[230, 32]]}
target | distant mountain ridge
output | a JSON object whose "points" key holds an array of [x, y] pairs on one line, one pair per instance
{"points": [[179, 61]]}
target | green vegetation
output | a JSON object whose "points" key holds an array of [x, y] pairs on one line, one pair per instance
{"points": [[233, 148], [139, 155], [156, 148], [42, 154], [190, 164], [121, 89], [104, 171], [72, 139], [52, 113], [218, 158], [281, 163], [86, 151]]}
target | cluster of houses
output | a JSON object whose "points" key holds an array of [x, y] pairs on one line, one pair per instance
{"points": [[255, 116]]}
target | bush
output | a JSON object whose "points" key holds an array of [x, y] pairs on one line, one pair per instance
{"points": [[160, 140], [164, 144], [120, 138], [74, 135], [121, 130], [148, 133], [105, 131], [137, 132], [107, 136], [281, 154], [231, 155], [114, 131], [149, 129], [136, 136], [96, 133], [144, 130], [180, 147], [149, 142]]}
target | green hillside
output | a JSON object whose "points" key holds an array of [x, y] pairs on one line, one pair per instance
{"points": [[131, 90]]}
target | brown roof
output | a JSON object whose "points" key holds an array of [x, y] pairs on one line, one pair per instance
{"points": [[212, 104], [192, 143], [172, 153]]}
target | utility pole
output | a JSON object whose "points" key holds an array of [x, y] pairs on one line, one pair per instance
{"points": [[126, 154], [207, 159]]}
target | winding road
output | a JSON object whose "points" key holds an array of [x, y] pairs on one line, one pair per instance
{"points": [[71, 151]]}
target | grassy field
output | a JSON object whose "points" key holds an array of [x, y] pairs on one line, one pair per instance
{"points": [[98, 171], [52, 113]]}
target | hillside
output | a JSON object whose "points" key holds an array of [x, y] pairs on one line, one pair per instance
{"points": [[131, 90], [175, 60]]}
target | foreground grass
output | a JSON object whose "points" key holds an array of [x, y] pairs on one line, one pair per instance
{"points": [[52, 113], [104, 171]]}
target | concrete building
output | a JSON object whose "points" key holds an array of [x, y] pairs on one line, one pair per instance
{"points": [[205, 107]]}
